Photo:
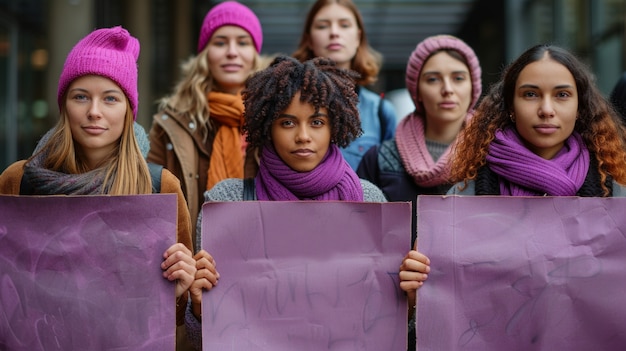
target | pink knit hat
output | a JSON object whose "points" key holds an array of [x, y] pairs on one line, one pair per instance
{"points": [[107, 52], [231, 13], [423, 51]]}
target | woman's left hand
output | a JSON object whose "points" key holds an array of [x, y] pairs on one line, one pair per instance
{"points": [[179, 265]]}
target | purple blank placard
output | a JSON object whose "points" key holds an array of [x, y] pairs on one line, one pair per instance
{"points": [[520, 273], [83, 272], [306, 276]]}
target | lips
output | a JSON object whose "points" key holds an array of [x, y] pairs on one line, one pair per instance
{"points": [[303, 152], [334, 47], [231, 67], [94, 130], [447, 104], [546, 128]]}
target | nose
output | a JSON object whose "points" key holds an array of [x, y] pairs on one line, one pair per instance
{"points": [[232, 50], [94, 112], [446, 88], [546, 109], [334, 30], [303, 136]]}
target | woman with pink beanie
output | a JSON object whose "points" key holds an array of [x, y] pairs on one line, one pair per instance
{"points": [[196, 132], [93, 149], [443, 77]]}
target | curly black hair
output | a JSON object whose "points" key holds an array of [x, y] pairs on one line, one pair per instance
{"points": [[320, 82]]}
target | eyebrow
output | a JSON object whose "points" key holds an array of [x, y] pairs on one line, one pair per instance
{"points": [[532, 86], [319, 114], [105, 92]]}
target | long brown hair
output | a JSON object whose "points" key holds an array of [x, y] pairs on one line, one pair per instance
{"points": [[125, 165], [366, 61]]}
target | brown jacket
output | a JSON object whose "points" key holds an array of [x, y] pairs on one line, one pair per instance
{"points": [[176, 143], [11, 178]]}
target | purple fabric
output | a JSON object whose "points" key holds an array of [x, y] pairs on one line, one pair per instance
{"points": [[523, 173], [332, 179]]}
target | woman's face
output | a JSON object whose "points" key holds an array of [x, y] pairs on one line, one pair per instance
{"points": [[445, 89], [545, 106], [335, 34], [96, 109], [301, 136], [231, 55]]}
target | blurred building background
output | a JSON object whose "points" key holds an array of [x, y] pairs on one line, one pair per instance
{"points": [[36, 35]]}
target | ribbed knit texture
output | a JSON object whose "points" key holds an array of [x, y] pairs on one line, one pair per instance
{"points": [[107, 52], [523, 173], [234, 14], [417, 161], [332, 179], [425, 48], [227, 157]]}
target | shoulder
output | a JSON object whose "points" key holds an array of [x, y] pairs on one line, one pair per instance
{"points": [[169, 182], [11, 178], [469, 190], [365, 93], [227, 190], [371, 193]]}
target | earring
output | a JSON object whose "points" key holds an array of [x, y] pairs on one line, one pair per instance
{"points": [[512, 117]]}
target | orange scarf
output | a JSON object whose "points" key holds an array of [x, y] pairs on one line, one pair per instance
{"points": [[227, 156]]}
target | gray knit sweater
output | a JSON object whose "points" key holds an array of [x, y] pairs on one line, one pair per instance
{"points": [[232, 190]]}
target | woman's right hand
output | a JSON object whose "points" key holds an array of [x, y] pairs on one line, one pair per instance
{"points": [[206, 278]]}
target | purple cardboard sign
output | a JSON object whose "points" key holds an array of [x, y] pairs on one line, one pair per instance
{"points": [[306, 275], [83, 272], [522, 273]]}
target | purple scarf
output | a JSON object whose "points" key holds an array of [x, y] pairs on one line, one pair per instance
{"points": [[522, 173], [332, 179]]}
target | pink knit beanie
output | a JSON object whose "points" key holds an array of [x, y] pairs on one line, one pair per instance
{"points": [[423, 51], [107, 52], [231, 13]]}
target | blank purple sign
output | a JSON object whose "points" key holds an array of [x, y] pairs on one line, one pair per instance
{"points": [[83, 272], [306, 276], [522, 273]]}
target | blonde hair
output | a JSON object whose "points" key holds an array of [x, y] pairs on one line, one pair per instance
{"points": [[126, 169], [190, 93]]}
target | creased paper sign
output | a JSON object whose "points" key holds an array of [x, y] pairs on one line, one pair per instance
{"points": [[306, 275], [83, 272], [521, 273]]}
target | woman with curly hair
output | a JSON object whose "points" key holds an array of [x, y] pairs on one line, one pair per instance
{"points": [[335, 29], [543, 130], [298, 115], [197, 132]]}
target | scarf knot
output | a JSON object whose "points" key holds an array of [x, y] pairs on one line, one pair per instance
{"points": [[523, 173], [332, 179]]}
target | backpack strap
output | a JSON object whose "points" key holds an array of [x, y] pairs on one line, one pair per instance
{"points": [[25, 187], [155, 174], [249, 190], [381, 118]]}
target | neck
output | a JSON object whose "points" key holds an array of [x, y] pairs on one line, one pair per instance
{"points": [[442, 131]]}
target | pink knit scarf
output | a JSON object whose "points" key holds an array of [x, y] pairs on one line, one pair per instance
{"points": [[415, 157]]}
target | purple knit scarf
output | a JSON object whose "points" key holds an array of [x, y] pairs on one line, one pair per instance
{"points": [[523, 173], [332, 179]]}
